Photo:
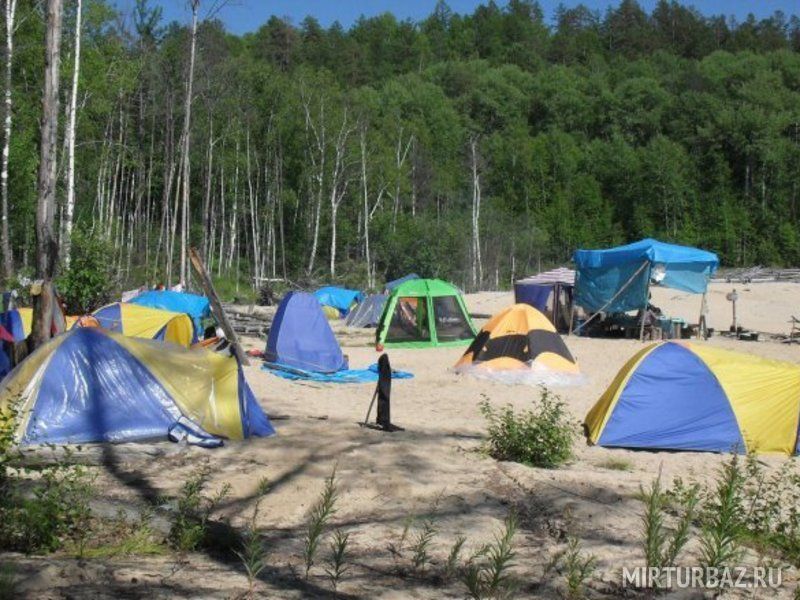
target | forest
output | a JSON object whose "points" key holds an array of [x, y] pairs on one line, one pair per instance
{"points": [[476, 148]]}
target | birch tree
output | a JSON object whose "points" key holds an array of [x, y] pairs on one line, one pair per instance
{"points": [[187, 120], [73, 106], [477, 264], [46, 245], [5, 236]]}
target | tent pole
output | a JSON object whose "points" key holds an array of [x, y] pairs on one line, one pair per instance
{"points": [[701, 321], [644, 310], [615, 296]]}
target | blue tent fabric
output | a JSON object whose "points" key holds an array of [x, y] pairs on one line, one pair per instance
{"points": [[301, 337], [368, 375], [197, 307], [83, 405], [602, 273], [110, 317], [390, 285], [673, 401], [12, 321], [339, 298], [534, 295]]}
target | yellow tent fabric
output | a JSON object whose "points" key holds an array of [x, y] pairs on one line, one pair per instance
{"points": [[134, 320], [690, 396], [519, 337], [26, 315]]}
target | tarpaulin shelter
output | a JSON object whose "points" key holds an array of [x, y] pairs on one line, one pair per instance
{"points": [[339, 298], [422, 313], [549, 292], [197, 307], [618, 279], [94, 385], [391, 285], [368, 312], [134, 320], [518, 337], [689, 396], [301, 338]]}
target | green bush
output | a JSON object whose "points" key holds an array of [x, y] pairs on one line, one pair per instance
{"points": [[90, 279], [541, 437], [192, 511]]}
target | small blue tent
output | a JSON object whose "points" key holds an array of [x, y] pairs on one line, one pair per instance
{"points": [[390, 285], [12, 321], [339, 298], [197, 307], [617, 279], [301, 338]]}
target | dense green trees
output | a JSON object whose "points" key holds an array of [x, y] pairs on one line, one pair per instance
{"points": [[364, 153]]}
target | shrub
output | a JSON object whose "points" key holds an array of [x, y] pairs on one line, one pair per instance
{"points": [[318, 518], [578, 569], [192, 511], [89, 281], [723, 524], [541, 437], [486, 573]]}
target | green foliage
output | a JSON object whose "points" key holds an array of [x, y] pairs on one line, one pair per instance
{"points": [[486, 573], [420, 544], [542, 437], [90, 279], [8, 582], [253, 552], [191, 511], [451, 564], [722, 528], [662, 544], [578, 569], [318, 519], [337, 563]]}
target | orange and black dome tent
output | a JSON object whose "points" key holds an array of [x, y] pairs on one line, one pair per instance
{"points": [[519, 337]]}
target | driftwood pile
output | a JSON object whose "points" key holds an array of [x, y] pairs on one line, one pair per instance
{"points": [[251, 321], [758, 275]]}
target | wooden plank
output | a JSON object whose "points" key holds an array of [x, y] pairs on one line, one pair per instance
{"points": [[216, 306]]}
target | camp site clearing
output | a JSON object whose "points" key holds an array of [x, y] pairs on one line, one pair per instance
{"points": [[385, 478]]}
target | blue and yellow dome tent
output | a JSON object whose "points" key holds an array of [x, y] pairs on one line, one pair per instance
{"points": [[133, 320], [93, 385], [339, 298], [197, 307], [688, 396]]}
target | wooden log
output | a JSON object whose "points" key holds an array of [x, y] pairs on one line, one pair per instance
{"points": [[216, 306]]}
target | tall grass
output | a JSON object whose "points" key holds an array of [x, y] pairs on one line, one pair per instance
{"points": [[318, 518]]}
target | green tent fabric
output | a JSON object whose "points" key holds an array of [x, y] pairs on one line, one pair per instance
{"points": [[424, 313]]}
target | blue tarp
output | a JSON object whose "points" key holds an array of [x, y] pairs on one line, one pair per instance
{"points": [[368, 375], [301, 337], [602, 273], [339, 298], [197, 307], [390, 285]]}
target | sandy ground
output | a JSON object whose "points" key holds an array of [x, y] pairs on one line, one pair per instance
{"points": [[386, 478]]}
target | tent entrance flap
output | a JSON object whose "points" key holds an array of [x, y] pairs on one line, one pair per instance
{"points": [[410, 321]]}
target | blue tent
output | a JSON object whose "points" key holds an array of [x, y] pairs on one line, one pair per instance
{"points": [[339, 298], [390, 285], [301, 338], [93, 385], [197, 307], [617, 279], [12, 321]]}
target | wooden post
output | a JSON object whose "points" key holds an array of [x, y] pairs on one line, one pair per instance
{"points": [[216, 306], [644, 310]]}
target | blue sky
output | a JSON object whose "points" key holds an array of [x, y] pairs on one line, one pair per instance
{"points": [[241, 16]]}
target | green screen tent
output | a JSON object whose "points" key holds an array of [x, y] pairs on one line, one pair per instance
{"points": [[422, 313]]}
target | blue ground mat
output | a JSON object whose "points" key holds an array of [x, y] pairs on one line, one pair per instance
{"points": [[370, 374]]}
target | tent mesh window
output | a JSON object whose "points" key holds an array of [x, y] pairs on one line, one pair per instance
{"points": [[451, 323], [409, 321]]}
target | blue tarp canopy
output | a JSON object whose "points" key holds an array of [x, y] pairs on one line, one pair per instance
{"points": [[390, 285], [197, 307], [601, 274], [301, 338], [339, 298]]}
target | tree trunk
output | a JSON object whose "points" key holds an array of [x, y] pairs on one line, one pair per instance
{"points": [[5, 236], [477, 265], [46, 246], [73, 105], [187, 119]]}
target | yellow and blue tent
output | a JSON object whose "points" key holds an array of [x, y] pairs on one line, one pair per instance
{"points": [[687, 396], [133, 320], [94, 385]]}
